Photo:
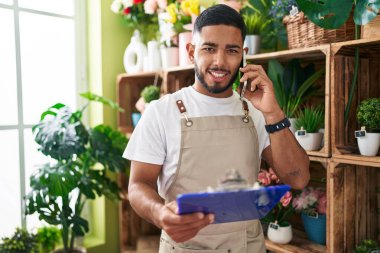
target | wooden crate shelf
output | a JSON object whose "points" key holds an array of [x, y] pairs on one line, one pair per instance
{"points": [[320, 56], [353, 204], [344, 144], [298, 244]]}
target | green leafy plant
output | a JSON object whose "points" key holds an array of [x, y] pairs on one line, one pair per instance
{"points": [[293, 84], [83, 159], [48, 237], [311, 118], [368, 114], [332, 14], [366, 246], [21, 242], [150, 93], [255, 23]]}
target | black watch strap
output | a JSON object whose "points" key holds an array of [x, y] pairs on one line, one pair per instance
{"points": [[278, 126]]}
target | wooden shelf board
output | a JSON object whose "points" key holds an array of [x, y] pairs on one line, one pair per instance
{"points": [[298, 244], [318, 153], [179, 68], [138, 74], [373, 161], [317, 52]]}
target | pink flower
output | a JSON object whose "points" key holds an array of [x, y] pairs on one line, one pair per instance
{"points": [[273, 176], [150, 6], [286, 199], [264, 178]]}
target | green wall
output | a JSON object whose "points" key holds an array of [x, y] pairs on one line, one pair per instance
{"points": [[107, 40]]}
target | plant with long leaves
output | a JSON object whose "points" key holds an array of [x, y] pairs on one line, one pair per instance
{"points": [[255, 23], [293, 84], [83, 159], [311, 118], [332, 14]]}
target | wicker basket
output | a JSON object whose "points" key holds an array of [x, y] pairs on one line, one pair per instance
{"points": [[304, 33], [372, 29]]}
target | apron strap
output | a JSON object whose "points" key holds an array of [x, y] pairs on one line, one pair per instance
{"points": [[245, 118], [182, 110]]}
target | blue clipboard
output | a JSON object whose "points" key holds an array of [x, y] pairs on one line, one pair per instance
{"points": [[230, 206]]}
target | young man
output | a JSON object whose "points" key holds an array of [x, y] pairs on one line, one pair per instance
{"points": [[187, 140]]}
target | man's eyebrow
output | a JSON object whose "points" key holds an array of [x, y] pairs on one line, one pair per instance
{"points": [[232, 46], [207, 43]]}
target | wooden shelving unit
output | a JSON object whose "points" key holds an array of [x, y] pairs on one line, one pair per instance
{"points": [[351, 180]]}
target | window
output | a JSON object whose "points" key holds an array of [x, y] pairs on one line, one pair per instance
{"points": [[42, 57]]}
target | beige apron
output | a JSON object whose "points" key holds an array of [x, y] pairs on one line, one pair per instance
{"points": [[209, 147]]}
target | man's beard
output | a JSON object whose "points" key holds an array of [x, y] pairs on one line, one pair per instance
{"points": [[215, 89]]}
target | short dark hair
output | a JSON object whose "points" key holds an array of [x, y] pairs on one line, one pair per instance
{"points": [[220, 14]]}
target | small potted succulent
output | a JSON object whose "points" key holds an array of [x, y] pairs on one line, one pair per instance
{"points": [[255, 24], [368, 116], [367, 246], [308, 123], [147, 95]]}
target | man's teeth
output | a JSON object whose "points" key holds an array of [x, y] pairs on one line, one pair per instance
{"points": [[218, 74]]}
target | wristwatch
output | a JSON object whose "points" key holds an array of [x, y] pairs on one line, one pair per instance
{"points": [[278, 126]]}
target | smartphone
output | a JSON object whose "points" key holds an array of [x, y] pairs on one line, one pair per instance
{"points": [[243, 86]]}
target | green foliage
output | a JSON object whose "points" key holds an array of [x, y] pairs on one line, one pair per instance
{"points": [[84, 158], [150, 93], [332, 14], [366, 246], [48, 237], [255, 23], [368, 114], [293, 84], [273, 36], [20, 242], [311, 118]]}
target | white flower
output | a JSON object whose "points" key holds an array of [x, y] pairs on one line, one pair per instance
{"points": [[127, 3], [116, 6]]}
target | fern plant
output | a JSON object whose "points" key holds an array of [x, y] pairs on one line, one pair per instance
{"points": [[311, 118]]}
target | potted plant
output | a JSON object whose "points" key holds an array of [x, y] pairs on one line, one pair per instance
{"points": [[83, 158], [312, 203], [367, 246], [279, 229], [255, 24], [48, 237], [21, 241], [150, 93], [368, 115], [293, 85], [308, 123]]}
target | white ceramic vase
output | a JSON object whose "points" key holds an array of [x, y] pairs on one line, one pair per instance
{"points": [[310, 141], [253, 42], [369, 144], [134, 54], [281, 235], [154, 62], [169, 57]]}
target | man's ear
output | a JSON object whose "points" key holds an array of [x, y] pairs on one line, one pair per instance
{"points": [[190, 51]]}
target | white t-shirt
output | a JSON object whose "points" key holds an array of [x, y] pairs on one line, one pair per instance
{"points": [[157, 137]]}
